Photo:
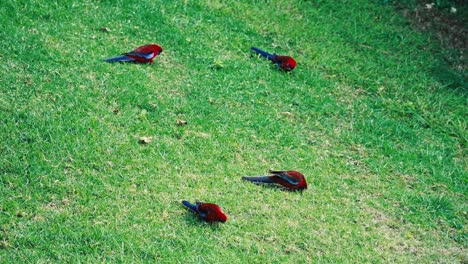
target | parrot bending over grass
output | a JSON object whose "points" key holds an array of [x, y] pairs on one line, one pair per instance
{"points": [[143, 54], [207, 211], [284, 62], [291, 180]]}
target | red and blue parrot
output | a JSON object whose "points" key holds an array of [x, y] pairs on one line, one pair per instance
{"points": [[207, 211], [291, 180], [143, 54], [284, 62]]}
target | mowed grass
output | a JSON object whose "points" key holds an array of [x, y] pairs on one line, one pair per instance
{"points": [[372, 115]]}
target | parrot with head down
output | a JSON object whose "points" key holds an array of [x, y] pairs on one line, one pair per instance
{"points": [[207, 211], [290, 180], [143, 54], [286, 63]]}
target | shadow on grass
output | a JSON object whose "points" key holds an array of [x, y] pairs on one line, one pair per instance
{"points": [[448, 77], [194, 220], [276, 187], [448, 28]]}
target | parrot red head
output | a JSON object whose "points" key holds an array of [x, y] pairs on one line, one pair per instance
{"points": [[289, 64], [157, 49], [221, 216]]}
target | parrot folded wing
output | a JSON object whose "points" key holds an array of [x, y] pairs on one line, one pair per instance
{"points": [[289, 179], [145, 55]]}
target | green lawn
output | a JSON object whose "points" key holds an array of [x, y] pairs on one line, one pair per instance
{"points": [[373, 116]]}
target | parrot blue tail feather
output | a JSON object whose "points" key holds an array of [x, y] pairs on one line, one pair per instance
{"points": [[259, 179], [119, 59], [190, 206], [263, 53]]}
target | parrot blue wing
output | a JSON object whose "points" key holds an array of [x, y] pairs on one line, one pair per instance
{"points": [[146, 55], [287, 178], [201, 213]]}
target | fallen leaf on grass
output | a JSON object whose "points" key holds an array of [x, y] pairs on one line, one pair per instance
{"points": [[145, 140], [4, 244], [203, 135], [38, 218], [365, 46], [21, 214], [181, 122]]}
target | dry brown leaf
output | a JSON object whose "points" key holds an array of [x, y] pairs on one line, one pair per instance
{"points": [[21, 214], [145, 140], [38, 218], [181, 122], [4, 244]]}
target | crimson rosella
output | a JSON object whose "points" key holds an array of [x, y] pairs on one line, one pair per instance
{"points": [[207, 211], [141, 54], [291, 180], [284, 62]]}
